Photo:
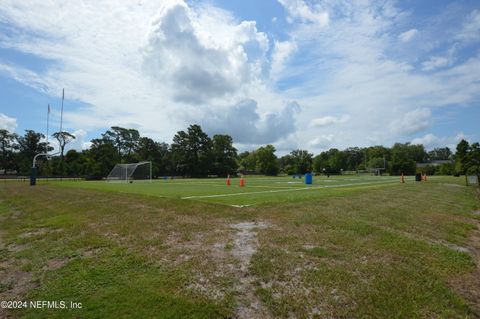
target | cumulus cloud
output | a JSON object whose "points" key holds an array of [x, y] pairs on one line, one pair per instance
{"points": [[413, 121], [200, 62], [298, 9], [430, 141], [244, 123], [407, 35], [155, 63], [7, 123], [329, 120], [79, 143], [282, 51], [322, 142], [151, 63]]}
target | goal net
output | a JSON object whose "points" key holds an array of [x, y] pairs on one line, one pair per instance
{"points": [[130, 172]]}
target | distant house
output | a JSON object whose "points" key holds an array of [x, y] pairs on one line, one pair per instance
{"points": [[435, 163]]}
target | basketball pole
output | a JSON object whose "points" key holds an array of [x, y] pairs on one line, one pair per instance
{"points": [[48, 121]]}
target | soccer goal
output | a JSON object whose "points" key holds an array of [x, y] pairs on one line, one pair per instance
{"points": [[130, 172]]}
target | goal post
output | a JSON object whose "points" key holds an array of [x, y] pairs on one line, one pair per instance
{"points": [[129, 172]]}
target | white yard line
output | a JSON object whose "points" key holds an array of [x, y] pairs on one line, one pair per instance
{"points": [[245, 193], [287, 190]]}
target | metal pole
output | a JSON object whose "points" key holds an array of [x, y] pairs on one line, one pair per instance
{"points": [[48, 118], [61, 114]]}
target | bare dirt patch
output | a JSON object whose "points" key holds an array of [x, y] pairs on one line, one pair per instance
{"points": [[14, 283], [55, 263], [16, 247], [245, 245]]}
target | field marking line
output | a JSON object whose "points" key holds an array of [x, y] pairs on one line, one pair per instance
{"points": [[285, 190], [245, 193]]}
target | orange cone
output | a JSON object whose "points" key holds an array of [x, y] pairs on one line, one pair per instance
{"points": [[402, 178], [242, 182], [228, 180]]}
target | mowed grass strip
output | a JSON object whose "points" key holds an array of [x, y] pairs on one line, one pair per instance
{"points": [[357, 252], [258, 189]]}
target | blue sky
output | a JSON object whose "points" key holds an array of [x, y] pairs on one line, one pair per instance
{"points": [[293, 73]]}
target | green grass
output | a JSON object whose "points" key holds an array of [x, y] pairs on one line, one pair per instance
{"points": [[258, 189], [139, 250]]}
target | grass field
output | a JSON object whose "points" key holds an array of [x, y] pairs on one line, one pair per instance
{"points": [[344, 247], [258, 189]]}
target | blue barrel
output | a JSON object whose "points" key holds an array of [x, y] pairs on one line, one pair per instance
{"points": [[308, 178]]}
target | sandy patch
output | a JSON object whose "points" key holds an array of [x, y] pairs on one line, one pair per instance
{"points": [[244, 246]]}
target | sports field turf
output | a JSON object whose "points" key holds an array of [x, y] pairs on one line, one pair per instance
{"points": [[345, 247], [257, 189]]}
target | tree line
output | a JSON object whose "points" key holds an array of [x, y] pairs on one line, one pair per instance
{"points": [[194, 153]]}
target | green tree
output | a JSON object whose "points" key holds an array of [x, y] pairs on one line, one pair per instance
{"points": [[302, 161], [287, 164], [7, 146], [63, 139], [101, 158], [157, 153], [267, 160], [192, 152], [376, 162], [224, 155], [29, 145], [445, 169], [473, 160], [247, 161], [320, 163], [354, 158], [125, 141], [404, 158], [461, 157], [336, 161]]}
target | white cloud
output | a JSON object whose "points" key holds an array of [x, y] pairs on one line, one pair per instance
{"points": [[202, 59], [24, 76], [322, 142], [282, 51], [436, 62], [159, 66], [413, 121], [408, 35], [7, 123], [329, 120], [430, 141], [150, 66], [471, 28], [244, 123], [79, 143], [298, 9], [353, 70]]}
